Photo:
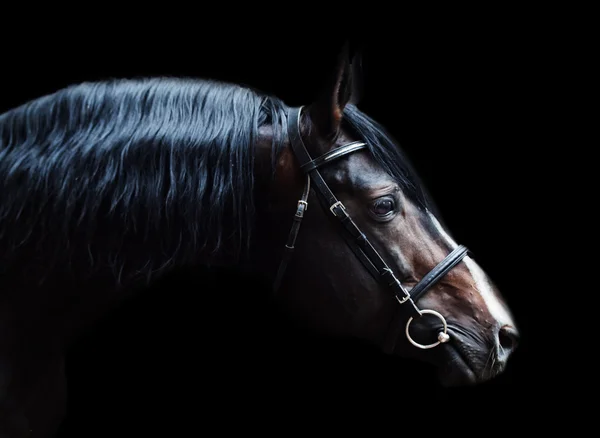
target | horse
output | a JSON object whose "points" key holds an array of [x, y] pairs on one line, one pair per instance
{"points": [[108, 186]]}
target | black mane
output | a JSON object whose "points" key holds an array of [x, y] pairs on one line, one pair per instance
{"points": [[387, 154], [166, 162]]}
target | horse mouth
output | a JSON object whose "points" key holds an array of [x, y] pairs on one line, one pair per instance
{"points": [[456, 370]]}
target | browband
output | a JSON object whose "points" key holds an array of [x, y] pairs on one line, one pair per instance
{"points": [[332, 155]]}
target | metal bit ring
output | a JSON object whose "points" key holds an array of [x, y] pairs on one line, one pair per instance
{"points": [[442, 336]]}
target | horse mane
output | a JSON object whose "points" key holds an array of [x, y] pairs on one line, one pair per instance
{"points": [[166, 162], [388, 155], [162, 168]]}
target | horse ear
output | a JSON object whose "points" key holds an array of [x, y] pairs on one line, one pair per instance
{"points": [[327, 111], [357, 78]]}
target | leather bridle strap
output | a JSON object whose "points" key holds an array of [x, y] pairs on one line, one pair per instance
{"points": [[289, 246], [445, 266], [358, 241], [328, 157]]}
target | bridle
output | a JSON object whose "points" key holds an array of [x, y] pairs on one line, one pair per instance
{"points": [[357, 241]]}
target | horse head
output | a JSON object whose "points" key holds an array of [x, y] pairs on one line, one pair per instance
{"points": [[367, 255]]}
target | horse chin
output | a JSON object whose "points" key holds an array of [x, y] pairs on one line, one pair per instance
{"points": [[455, 370]]}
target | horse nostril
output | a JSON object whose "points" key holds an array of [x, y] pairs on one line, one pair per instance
{"points": [[508, 338]]}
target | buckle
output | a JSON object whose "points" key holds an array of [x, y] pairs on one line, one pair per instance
{"points": [[407, 296], [303, 203], [403, 300], [337, 204]]}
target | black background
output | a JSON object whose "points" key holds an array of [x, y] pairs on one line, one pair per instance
{"points": [[456, 92]]}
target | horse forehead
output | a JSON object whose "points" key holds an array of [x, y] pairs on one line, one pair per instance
{"points": [[361, 171]]}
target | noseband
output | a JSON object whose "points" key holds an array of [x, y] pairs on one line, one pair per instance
{"points": [[357, 241]]}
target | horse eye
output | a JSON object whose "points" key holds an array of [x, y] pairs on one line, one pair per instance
{"points": [[383, 207]]}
